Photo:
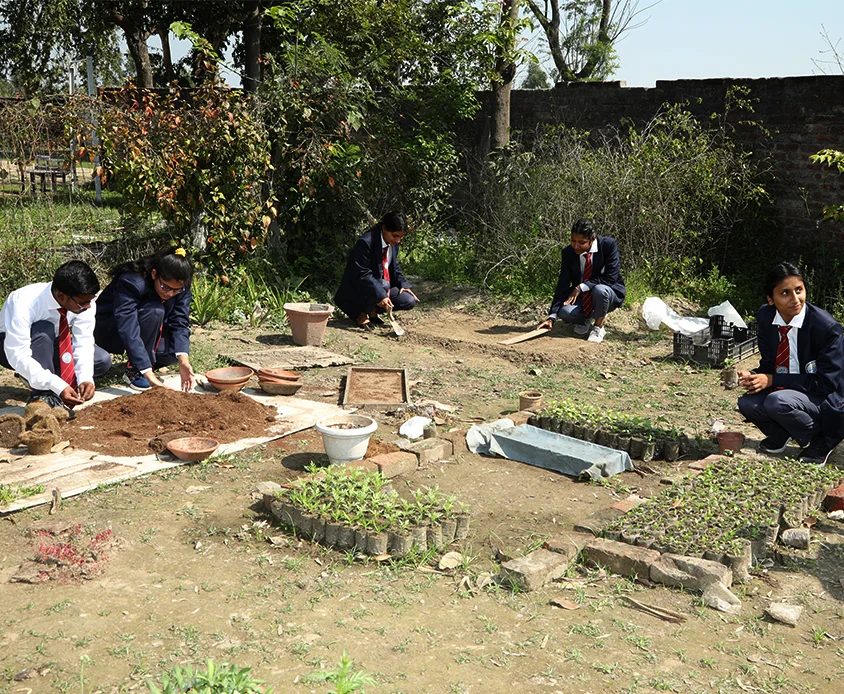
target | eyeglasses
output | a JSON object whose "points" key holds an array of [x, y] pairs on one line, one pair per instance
{"points": [[81, 304], [168, 289]]}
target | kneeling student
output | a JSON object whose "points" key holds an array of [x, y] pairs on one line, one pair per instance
{"points": [[145, 312], [48, 336], [797, 391]]}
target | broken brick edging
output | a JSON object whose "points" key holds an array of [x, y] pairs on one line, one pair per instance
{"points": [[834, 500]]}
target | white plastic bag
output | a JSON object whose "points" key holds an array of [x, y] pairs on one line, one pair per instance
{"points": [[730, 314], [414, 427], [656, 311]]}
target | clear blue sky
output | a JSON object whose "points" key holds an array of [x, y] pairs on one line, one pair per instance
{"points": [[725, 38]]}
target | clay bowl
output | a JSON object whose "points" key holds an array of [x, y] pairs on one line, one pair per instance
{"points": [[278, 374], [280, 388], [273, 379], [229, 378], [192, 448]]}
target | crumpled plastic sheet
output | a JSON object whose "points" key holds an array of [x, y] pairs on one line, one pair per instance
{"points": [[548, 450], [655, 311]]}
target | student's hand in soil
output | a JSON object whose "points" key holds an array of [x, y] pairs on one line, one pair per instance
{"points": [[187, 375], [87, 390], [754, 383], [70, 397]]}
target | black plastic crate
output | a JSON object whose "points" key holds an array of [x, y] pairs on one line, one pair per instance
{"points": [[714, 351], [720, 329]]}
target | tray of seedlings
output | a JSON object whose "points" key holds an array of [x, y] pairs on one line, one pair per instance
{"points": [[641, 437], [351, 509], [733, 512]]}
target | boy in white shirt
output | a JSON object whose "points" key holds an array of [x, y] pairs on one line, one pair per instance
{"points": [[47, 336]]}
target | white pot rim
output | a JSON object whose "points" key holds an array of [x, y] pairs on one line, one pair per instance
{"points": [[367, 425]]}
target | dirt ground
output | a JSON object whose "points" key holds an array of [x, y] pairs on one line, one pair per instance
{"points": [[191, 573]]}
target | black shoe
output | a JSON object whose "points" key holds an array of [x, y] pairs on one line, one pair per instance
{"points": [[774, 444], [376, 320], [815, 453], [51, 399]]}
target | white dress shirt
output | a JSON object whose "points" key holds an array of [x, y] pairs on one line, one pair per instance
{"points": [[592, 249], [795, 325], [385, 261], [34, 303]]}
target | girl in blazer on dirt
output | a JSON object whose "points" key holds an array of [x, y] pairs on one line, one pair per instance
{"points": [[797, 391], [590, 283], [373, 281], [145, 312]]}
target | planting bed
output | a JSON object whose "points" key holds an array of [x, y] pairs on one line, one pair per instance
{"points": [[125, 425], [350, 509], [732, 512], [638, 436]]}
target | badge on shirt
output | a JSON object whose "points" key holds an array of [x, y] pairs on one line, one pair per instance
{"points": [[67, 358], [782, 369], [812, 367]]}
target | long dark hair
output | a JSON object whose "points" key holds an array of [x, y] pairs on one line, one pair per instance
{"points": [[779, 273], [171, 264]]}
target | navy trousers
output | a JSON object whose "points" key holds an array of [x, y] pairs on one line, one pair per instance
{"points": [[368, 303], [44, 344], [783, 411], [604, 300], [151, 322]]}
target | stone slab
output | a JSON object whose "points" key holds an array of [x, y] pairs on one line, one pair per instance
{"points": [[629, 503], [287, 358], [705, 462], [457, 437], [394, 464], [689, 573], [428, 450], [569, 544], [598, 521], [534, 570], [717, 596], [621, 558]]}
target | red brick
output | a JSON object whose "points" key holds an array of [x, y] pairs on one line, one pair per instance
{"points": [[629, 503], [569, 544], [366, 465], [835, 499], [392, 464], [705, 462], [428, 450], [533, 571], [458, 440]]}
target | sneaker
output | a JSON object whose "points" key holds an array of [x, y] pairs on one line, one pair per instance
{"points": [[136, 380], [774, 444], [583, 328], [815, 453], [597, 334], [51, 399]]}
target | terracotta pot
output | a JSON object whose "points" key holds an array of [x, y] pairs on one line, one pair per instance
{"points": [[307, 322], [278, 374], [730, 441], [229, 378], [192, 448], [280, 388], [530, 400]]}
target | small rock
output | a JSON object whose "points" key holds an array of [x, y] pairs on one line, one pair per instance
{"points": [[485, 579], [450, 560], [795, 537], [782, 612], [836, 515], [717, 596]]}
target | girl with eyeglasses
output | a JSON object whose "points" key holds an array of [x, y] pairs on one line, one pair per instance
{"points": [[145, 312]]}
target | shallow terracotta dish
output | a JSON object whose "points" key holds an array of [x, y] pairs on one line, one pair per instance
{"points": [[230, 374], [280, 388], [273, 379], [280, 374], [192, 448], [228, 386]]}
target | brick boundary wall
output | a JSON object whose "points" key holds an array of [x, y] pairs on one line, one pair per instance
{"points": [[804, 115]]}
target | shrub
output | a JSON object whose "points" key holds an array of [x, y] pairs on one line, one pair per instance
{"points": [[213, 679]]}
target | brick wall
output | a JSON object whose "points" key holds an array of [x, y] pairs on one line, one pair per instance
{"points": [[804, 115]]}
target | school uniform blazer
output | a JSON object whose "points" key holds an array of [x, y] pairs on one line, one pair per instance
{"points": [[606, 269], [820, 351], [118, 306], [361, 285]]}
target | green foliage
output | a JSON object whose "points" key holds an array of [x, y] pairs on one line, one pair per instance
{"points": [[199, 161], [617, 422], [834, 159], [11, 493], [677, 193], [347, 679], [536, 78], [213, 679]]}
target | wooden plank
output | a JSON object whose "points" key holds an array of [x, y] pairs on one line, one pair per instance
{"points": [[527, 336]]}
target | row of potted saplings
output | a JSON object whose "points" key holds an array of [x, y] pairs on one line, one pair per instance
{"points": [[349, 509], [638, 436]]}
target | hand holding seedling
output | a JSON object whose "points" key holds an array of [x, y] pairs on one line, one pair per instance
{"points": [[70, 397], [754, 383]]}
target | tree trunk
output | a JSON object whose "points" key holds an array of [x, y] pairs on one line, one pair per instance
{"points": [[252, 45], [169, 73], [136, 41], [505, 71]]}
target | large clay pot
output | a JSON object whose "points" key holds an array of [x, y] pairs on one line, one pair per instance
{"points": [[307, 322], [530, 400], [730, 441], [346, 437]]}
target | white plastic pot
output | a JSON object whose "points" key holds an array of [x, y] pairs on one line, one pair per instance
{"points": [[346, 444]]}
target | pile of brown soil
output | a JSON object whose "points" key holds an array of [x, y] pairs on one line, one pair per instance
{"points": [[125, 425]]}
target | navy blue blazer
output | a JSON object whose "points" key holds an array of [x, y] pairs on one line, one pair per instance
{"points": [[117, 308], [606, 269], [361, 285], [820, 351]]}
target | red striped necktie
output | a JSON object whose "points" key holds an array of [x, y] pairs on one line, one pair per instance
{"points": [[385, 263], [782, 362], [67, 371], [586, 303]]}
